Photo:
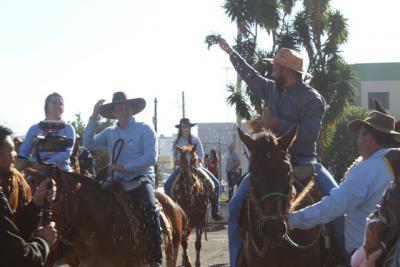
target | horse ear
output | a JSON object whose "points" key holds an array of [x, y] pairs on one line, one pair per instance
{"points": [[393, 157], [378, 106], [246, 139], [194, 148], [288, 139]]}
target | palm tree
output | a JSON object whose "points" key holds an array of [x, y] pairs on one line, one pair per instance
{"points": [[238, 100]]}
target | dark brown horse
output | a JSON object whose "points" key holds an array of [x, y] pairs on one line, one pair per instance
{"points": [[104, 229], [263, 219], [383, 229], [192, 190]]}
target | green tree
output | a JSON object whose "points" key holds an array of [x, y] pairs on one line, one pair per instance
{"points": [[342, 149], [100, 156], [78, 124]]}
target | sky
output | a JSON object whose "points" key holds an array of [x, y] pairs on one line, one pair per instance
{"points": [[88, 49]]}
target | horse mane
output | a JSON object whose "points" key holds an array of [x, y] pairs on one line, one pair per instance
{"points": [[84, 180], [266, 135], [309, 195]]}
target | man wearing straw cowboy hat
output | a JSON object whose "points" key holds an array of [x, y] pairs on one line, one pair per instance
{"points": [[134, 165], [289, 102], [363, 186]]}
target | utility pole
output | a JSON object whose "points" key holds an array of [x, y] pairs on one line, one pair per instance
{"points": [[157, 178], [183, 104], [155, 115]]}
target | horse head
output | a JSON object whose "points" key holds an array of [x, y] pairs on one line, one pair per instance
{"points": [[270, 182], [188, 159]]}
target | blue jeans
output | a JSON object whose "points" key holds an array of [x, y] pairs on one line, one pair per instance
{"points": [[214, 198], [145, 201], [325, 182]]}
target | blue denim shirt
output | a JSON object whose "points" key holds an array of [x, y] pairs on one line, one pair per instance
{"points": [[139, 152], [296, 104], [61, 159], [356, 197], [184, 142]]}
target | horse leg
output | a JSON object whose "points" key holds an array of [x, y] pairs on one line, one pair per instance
{"points": [[199, 232], [184, 244], [170, 252]]}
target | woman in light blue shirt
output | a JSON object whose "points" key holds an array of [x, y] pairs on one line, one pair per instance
{"points": [[185, 138], [53, 109]]}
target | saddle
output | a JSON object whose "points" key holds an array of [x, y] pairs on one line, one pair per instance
{"points": [[304, 172], [202, 181]]}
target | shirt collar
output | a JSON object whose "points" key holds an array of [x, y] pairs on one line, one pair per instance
{"points": [[379, 152], [297, 85], [130, 122]]}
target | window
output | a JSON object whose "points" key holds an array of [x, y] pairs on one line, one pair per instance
{"points": [[382, 97]]}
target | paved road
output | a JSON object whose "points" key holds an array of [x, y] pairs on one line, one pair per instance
{"points": [[214, 252]]}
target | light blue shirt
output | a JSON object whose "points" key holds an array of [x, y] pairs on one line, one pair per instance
{"points": [[184, 142], [139, 152], [61, 159], [356, 197]]}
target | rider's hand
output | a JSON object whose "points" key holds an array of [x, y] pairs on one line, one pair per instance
{"points": [[225, 46], [96, 108], [113, 167], [268, 119], [43, 193], [48, 233]]}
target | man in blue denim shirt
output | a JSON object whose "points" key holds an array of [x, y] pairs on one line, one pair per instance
{"points": [[364, 184], [134, 167], [290, 102]]}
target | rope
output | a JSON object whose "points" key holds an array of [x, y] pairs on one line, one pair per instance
{"points": [[115, 157], [271, 195], [295, 245]]}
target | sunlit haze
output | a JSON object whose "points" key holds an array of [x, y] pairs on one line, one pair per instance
{"points": [[86, 50]]}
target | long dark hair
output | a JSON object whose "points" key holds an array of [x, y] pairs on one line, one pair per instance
{"points": [[180, 135], [213, 154], [47, 101]]}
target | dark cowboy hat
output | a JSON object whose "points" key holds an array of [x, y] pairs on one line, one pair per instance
{"points": [[184, 121], [377, 120], [137, 104]]}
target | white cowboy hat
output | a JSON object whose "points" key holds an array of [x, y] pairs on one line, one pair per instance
{"points": [[289, 59]]}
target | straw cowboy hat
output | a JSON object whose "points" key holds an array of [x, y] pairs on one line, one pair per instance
{"points": [[184, 121], [377, 120], [289, 59], [137, 104], [248, 124]]}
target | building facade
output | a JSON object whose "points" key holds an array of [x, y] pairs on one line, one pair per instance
{"points": [[381, 81]]}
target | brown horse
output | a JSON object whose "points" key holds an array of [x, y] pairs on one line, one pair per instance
{"points": [[382, 240], [17, 190], [192, 190], [104, 229], [263, 219]]}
